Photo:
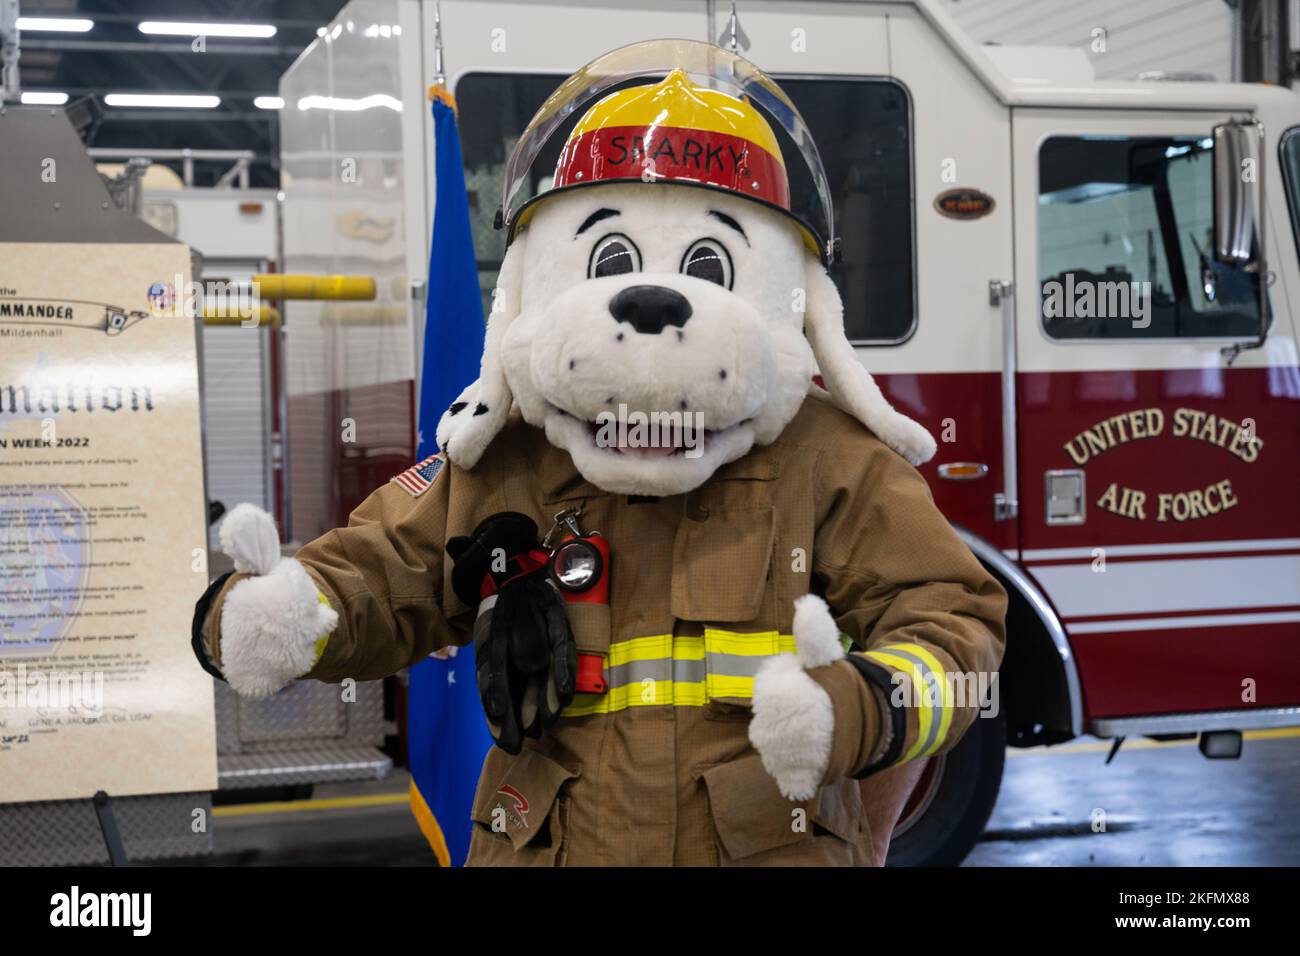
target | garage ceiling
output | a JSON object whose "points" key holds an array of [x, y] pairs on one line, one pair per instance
{"points": [[116, 57]]}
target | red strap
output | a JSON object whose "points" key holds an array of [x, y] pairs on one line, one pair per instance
{"points": [[591, 674], [528, 563]]}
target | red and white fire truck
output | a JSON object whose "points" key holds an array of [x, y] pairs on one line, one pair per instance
{"points": [[1084, 289]]}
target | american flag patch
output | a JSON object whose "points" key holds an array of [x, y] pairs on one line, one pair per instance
{"points": [[417, 479]]}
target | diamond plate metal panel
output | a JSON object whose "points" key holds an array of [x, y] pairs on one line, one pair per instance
{"points": [[304, 714], [306, 733], [66, 832], [304, 709]]}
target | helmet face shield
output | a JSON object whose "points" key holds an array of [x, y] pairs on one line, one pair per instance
{"points": [[695, 124]]}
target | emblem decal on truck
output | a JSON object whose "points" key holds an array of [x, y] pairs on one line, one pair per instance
{"points": [[964, 204]]}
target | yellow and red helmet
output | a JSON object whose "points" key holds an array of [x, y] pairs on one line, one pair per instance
{"points": [[673, 131]]}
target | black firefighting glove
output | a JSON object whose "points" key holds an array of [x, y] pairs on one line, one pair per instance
{"points": [[525, 655]]}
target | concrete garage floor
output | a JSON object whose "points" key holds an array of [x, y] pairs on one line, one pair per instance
{"points": [[1165, 805]]}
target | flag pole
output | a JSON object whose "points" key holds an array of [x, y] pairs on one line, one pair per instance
{"points": [[439, 74], [447, 735], [439, 91]]}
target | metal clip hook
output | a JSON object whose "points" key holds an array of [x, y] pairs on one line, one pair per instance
{"points": [[568, 518]]}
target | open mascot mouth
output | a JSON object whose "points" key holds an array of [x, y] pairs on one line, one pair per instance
{"points": [[673, 437]]}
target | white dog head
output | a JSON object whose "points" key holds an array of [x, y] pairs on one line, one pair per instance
{"points": [[689, 306], [700, 312]]}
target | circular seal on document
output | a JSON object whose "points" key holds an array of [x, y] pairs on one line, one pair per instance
{"points": [[162, 298]]}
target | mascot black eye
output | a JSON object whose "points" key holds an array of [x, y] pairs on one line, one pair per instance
{"points": [[709, 260], [614, 255]]}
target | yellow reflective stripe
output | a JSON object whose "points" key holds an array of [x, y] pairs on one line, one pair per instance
{"points": [[724, 685], [688, 647], [713, 647], [660, 693], [686, 693], [324, 638], [656, 647], [750, 648], [925, 715], [945, 690], [757, 644]]}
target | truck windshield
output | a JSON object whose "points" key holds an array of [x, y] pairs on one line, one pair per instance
{"points": [[1289, 150]]}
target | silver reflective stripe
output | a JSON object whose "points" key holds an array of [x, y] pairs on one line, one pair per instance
{"points": [[659, 669], [736, 665], [936, 710], [685, 664]]}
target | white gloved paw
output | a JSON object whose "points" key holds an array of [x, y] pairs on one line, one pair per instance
{"points": [[794, 720], [269, 628], [470, 423], [249, 538], [816, 635]]}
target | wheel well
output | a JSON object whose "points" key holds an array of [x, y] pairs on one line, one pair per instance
{"points": [[1034, 683], [1038, 683]]}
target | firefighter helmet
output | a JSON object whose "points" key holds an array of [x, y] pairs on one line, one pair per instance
{"points": [[676, 130]]}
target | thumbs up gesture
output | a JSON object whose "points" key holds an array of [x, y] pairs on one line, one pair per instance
{"points": [[270, 622], [793, 720]]}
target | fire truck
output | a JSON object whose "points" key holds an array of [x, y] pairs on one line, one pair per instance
{"points": [[1082, 288]]}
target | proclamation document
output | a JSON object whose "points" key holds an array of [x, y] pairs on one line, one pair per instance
{"points": [[103, 544]]}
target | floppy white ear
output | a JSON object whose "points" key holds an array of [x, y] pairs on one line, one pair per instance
{"points": [[851, 387], [479, 412]]}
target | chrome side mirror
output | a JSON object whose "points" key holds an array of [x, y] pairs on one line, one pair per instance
{"points": [[1237, 173]]}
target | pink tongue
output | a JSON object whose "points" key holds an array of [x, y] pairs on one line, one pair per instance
{"points": [[652, 451]]}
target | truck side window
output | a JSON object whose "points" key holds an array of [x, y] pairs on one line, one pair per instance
{"points": [[863, 129], [1289, 152], [1125, 242]]}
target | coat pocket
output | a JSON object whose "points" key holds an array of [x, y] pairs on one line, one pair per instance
{"points": [[756, 826], [721, 565], [722, 576], [520, 811]]}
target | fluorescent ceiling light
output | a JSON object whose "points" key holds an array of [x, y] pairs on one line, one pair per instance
{"points": [[54, 24], [347, 105], [182, 100], [44, 98], [175, 28], [268, 102]]}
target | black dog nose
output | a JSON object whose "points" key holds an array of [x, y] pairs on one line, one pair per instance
{"points": [[649, 308]]}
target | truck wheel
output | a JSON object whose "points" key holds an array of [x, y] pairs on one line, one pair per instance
{"points": [[946, 814]]}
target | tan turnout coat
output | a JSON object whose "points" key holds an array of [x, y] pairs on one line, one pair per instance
{"points": [[660, 769]]}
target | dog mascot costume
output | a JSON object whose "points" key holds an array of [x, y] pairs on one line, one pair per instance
{"points": [[719, 638]]}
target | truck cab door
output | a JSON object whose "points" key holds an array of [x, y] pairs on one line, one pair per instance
{"points": [[1153, 511]]}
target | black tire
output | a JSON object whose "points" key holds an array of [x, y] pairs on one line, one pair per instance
{"points": [[960, 799]]}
